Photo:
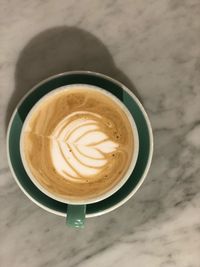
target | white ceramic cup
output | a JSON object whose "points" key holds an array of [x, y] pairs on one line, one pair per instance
{"points": [[143, 130]]}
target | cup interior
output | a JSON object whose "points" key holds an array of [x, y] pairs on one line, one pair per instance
{"points": [[134, 154], [135, 108]]}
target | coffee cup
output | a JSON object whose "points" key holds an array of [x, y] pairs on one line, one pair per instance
{"points": [[82, 139]]}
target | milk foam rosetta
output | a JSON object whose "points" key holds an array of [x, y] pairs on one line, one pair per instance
{"points": [[78, 143], [79, 146]]}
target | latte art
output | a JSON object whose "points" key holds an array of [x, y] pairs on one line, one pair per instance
{"points": [[79, 146], [77, 143]]}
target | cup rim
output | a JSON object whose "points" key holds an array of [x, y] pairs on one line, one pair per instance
{"points": [[129, 169], [150, 133]]}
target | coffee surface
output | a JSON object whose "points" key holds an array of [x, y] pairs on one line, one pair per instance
{"points": [[78, 143]]}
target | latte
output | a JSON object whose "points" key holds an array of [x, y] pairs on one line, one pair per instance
{"points": [[77, 143]]}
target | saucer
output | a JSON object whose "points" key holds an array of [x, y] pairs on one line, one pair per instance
{"points": [[121, 92]]}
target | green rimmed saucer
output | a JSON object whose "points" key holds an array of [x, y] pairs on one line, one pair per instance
{"points": [[121, 92]]}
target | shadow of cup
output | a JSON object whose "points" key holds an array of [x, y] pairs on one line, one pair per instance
{"points": [[58, 50]]}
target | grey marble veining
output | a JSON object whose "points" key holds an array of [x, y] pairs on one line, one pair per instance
{"points": [[153, 47]]}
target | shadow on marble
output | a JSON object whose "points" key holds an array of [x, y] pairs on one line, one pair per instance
{"points": [[57, 50]]}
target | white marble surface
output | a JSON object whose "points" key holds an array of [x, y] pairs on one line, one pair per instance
{"points": [[152, 44]]}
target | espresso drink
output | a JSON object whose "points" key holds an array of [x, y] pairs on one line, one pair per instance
{"points": [[78, 143]]}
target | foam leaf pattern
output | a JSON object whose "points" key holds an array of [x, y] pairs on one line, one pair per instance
{"points": [[79, 146]]}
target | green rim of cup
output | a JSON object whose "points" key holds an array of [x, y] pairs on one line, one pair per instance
{"points": [[121, 92]]}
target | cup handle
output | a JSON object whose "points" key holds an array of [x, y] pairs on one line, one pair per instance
{"points": [[76, 215]]}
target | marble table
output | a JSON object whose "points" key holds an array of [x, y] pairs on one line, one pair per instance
{"points": [[152, 46]]}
